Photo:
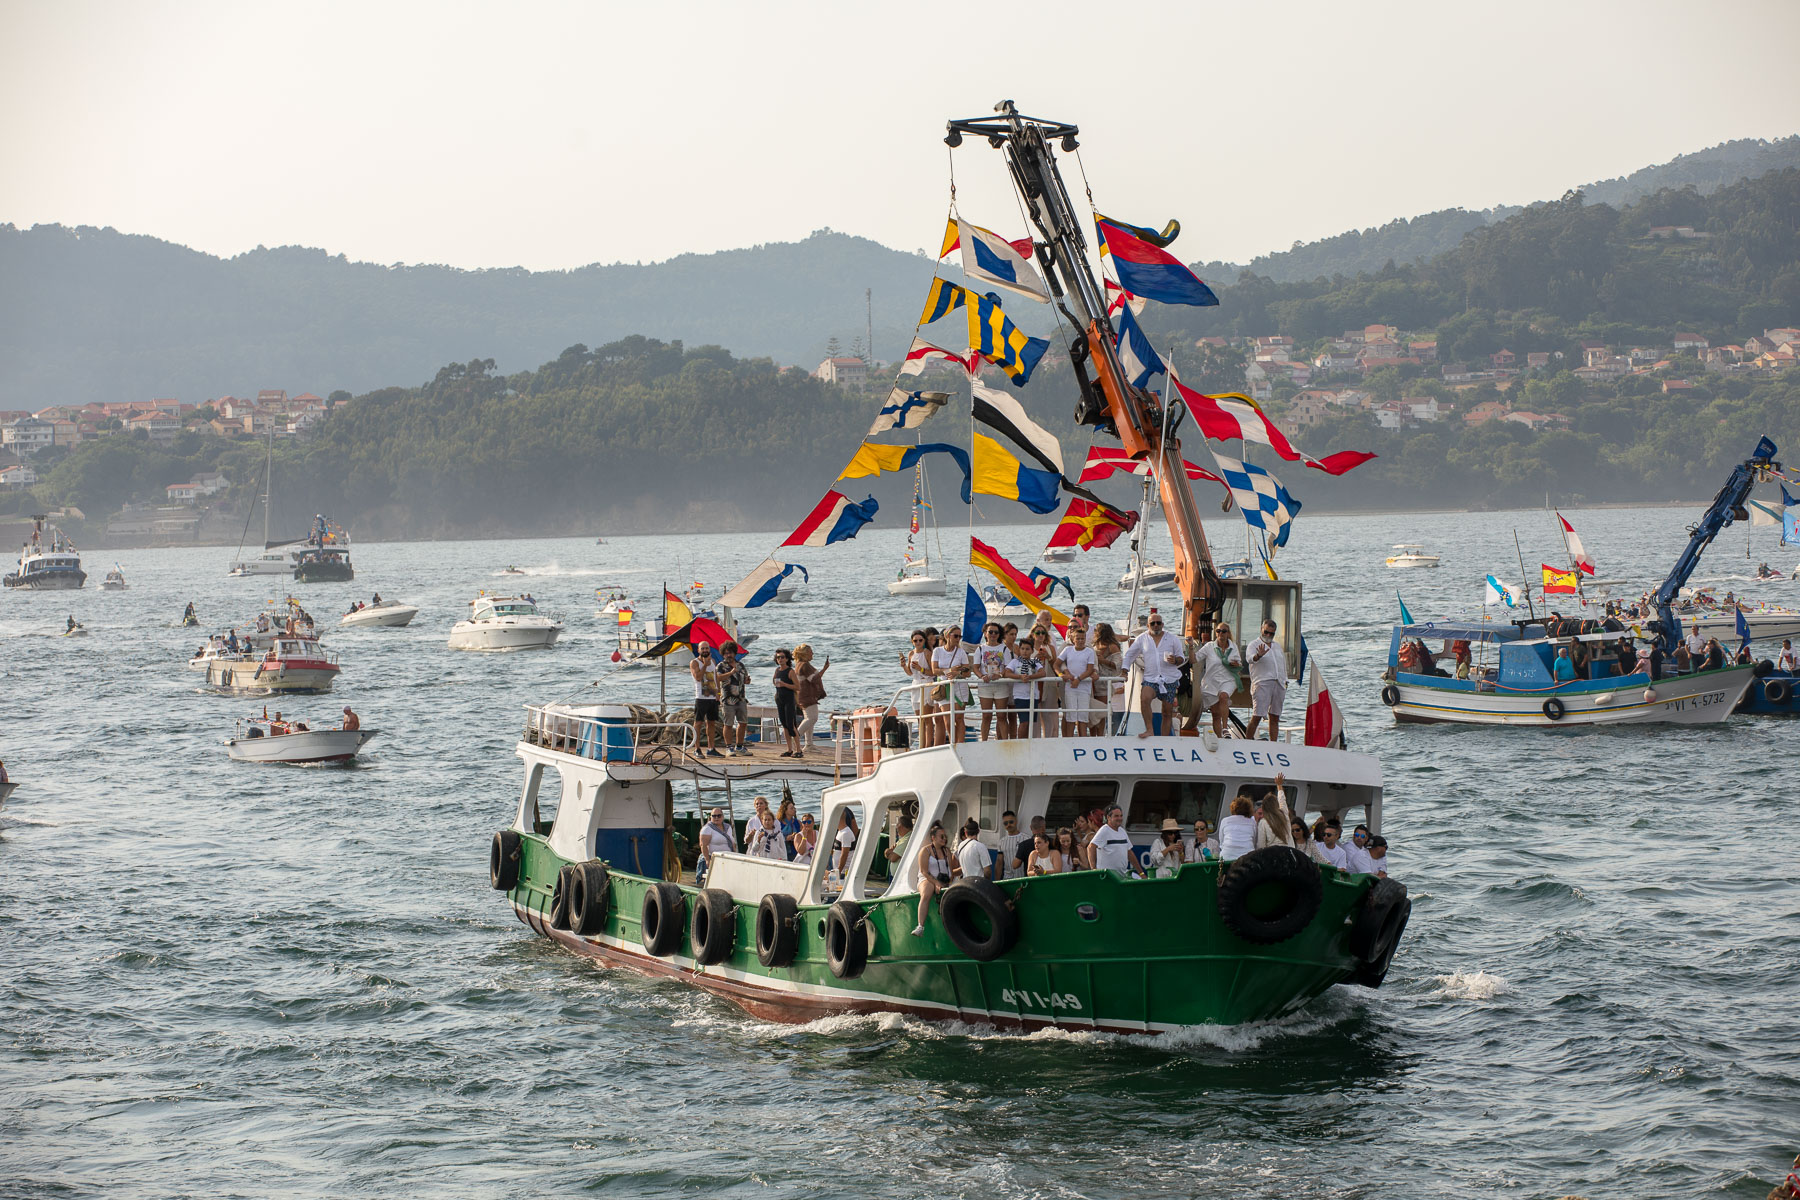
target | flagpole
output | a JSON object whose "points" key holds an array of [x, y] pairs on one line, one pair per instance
{"points": [[662, 663], [1529, 608]]}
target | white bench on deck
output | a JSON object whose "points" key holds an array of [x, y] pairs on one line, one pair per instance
{"points": [[750, 879]]}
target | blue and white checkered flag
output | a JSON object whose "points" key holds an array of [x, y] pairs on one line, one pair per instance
{"points": [[1265, 504]]}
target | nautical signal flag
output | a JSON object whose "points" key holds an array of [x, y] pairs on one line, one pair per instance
{"points": [[1584, 562], [1102, 461], [1001, 412], [1324, 720], [907, 410], [989, 257], [997, 473], [1264, 503], [1091, 526], [872, 458], [1013, 580], [1559, 582], [1235, 416], [1136, 354], [922, 352], [760, 585], [833, 519], [1147, 270], [1118, 299], [991, 333]]}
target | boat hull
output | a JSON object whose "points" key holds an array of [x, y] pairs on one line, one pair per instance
{"points": [[47, 581], [313, 746], [328, 572], [6, 789], [1156, 957], [1774, 695], [467, 635], [1699, 699], [1761, 627], [387, 616], [917, 585], [256, 677]]}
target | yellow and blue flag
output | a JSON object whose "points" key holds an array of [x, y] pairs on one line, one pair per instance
{"points": [[998, 473], [991, 333]]}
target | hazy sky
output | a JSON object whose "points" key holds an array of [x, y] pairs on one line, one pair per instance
{"points": [[554, 134]]}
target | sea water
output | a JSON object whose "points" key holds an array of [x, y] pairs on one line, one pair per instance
{"points": [[223, 979]]}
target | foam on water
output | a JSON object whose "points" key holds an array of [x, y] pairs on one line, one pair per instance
{"points": [[1471, 985]]}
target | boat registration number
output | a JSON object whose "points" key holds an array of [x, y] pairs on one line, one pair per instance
{"points": [[1025, 999], [1688, 702]]}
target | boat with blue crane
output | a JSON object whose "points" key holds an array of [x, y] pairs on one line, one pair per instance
{"points": [[1510, 674]]}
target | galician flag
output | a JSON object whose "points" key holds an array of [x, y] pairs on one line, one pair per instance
{"points": [[1324, 720], [1499, 593], [1584, 562]]}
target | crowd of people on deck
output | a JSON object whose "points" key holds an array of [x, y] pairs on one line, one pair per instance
{"points": [[722, 705]]}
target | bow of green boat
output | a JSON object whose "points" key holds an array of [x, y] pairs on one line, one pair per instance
{"points": [[594, 861]]}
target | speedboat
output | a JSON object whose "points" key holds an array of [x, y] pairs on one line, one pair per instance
{"points": [[511, 571], [504, 623], [48, 562], [1411, 555], [613, 601], [114, 581], [1153, 577], [302, 746], [381, 613], [1060, 554], [293, 664]]}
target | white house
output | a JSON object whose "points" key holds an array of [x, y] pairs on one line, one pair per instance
{"points": [[27, 435]]}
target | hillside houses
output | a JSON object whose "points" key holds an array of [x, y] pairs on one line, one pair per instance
{"points": [[160, 421]]}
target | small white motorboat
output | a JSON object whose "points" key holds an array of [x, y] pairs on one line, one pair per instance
{"points": [[1411, 555], [303, 746], [505, 623], [1154, 577], [613, 601], [1060, 553], [384, 613], [114, 581]]}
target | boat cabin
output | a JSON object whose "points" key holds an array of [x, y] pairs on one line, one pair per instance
{"points": [[489, 608], [1504, 658]]}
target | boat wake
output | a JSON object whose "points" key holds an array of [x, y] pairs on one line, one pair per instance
{"points": [[1471, 985]]}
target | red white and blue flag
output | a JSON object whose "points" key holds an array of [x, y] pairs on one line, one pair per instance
{"points": [[1146, 270], [989, 257], [922, 352], [1324, 720], [835, 519]]}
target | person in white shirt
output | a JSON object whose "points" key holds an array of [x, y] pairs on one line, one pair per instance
{"points": [[1160, 652], [1079, 667], [1010, 842], [1050, 688], [1218, 682], [1268, 680], [937, 868], [716, 837], [1785, 660], [1110, 848], [1378, 856], [846, 843], [1325, 839], [1696, 644], [915, 664], [994, 691], [1202, 844], [1169, 852], [1024, 668], [950, 662], [1274, 825], [762, 836], [1356, 854], [1237, 832], [971, 853]]}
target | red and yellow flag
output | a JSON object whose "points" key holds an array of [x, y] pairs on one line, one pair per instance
{"points": [[1558, 581], [1013, 580], [1091, 526], [676, 613]]}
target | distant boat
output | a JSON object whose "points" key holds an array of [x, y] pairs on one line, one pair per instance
{"points": [[7, 789], [916, 578], [114, 581], [504, 623], [48, 562], [305, 746], [386, 613], [1411, 555]]}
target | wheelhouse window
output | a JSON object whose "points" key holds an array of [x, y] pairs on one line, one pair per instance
{"points": [[1154, 801], [1071, 798]]}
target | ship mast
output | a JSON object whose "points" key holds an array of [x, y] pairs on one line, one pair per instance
{"points": [[1108, 400]]}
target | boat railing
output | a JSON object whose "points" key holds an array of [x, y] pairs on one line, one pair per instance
{"points": [[608, 738]]}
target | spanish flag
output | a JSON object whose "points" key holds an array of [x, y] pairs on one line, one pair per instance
{"points": [[1013, 580], [1558, 581], [676, 613], [997, 473], [1091, 526], [625, 615]]}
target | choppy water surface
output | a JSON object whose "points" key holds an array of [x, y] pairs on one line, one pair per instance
{"points": [[226, 980]]}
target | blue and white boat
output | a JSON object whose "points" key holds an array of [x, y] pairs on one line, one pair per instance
{"points": [[48, 562]]}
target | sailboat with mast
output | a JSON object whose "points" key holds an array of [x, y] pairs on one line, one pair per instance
{"points": [[916, 576], [276, 558]]}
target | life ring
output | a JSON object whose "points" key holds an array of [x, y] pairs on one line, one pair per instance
{"points": [[1375, 931], [1269, 895], [659, 922], [590, 894], [1777, 691], [712, 927], [979, 919], [503, 860], [846, 939], [777, 930], [1390, 695], [1553, 708], [559, 898]]}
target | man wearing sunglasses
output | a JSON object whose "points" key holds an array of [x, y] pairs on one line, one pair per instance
{"points": [[1160, 652]]}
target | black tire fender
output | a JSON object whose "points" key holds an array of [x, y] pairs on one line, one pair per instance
{"points": [[1375, 931], [590, 897], [1777, 691], [959, 903], [1554, 709], [503, 860], [777, 930], [846, 939], [1269, 895], [712, 926], [560, 896], [659, 922], [1390, 695]]}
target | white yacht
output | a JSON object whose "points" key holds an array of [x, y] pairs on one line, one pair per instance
{"points": [[382, 613], [1059, 554], [917, 579], [1409, 554], [114, 581], [504, 623], [48, 562], [276, 560], [1151, 577]]}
